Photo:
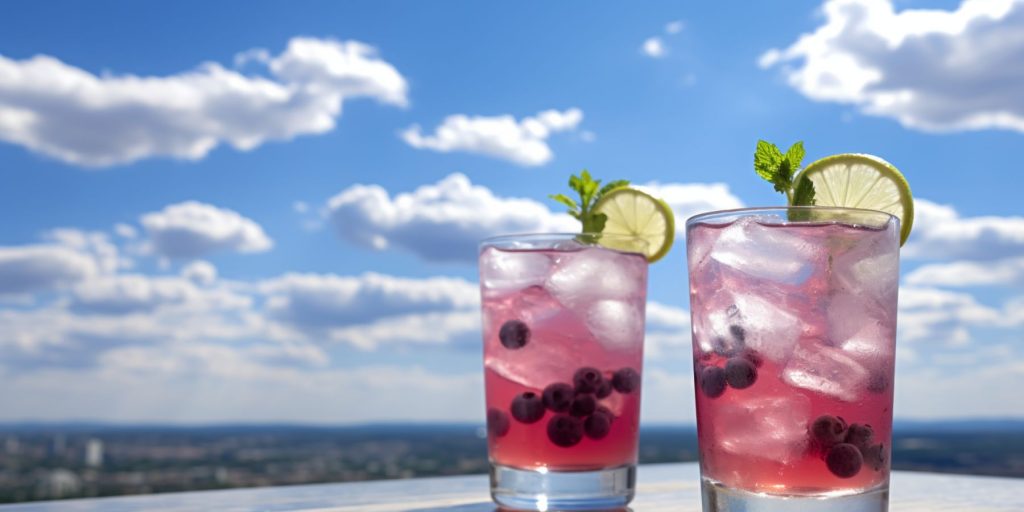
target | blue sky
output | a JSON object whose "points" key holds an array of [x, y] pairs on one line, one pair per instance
{"points": [[260, 211]]}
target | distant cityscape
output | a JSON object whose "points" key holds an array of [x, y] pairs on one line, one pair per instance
{"points": [[40, 462]]}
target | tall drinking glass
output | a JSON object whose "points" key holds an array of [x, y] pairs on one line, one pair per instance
{"points": [[794, 320], [563, 329]]}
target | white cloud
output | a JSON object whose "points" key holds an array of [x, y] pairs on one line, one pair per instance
{"points": [[941, 233], [440, 222], [129, 293], [192, 229], [653, 47], [668, 331], [688, 199], [935, 316], [325, 300], [1008, 272], [931, 69], [200, 272], [523, 142], [93, 120], [675, 27], [31, 268], [125, 231]]}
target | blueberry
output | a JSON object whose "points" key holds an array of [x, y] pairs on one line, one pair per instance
{"points": [[712, 381], [626, 380], [878, 382], [564, 430], [497, 422], [738, 333], [514, 334], [859, 435], [753, 356], [874, 456], [844, 460], [587, 379], [558, 396], [527, 407], [605, 390], [583, 405], [597, 425], [828, 431], [740, 373]]}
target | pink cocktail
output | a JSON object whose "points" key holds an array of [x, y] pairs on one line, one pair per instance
{"points": [[794, 345], [563, 329]]}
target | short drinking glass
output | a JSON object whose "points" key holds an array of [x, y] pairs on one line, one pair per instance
{"points": [[563, 329], [794, 321]]}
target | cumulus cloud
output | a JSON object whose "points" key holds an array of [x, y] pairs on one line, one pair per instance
{"points": [[328, 300], [1008, 272], [941, 316], [439, 222], [675, 27], [81, 118], [668, 331], [930, 69], [200, 272], [31, 268], [192, 229], [129, 294], [653, 47], [523, 142], [941, 233]]}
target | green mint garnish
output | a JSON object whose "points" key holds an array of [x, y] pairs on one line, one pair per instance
{"points": [[589, 191], [780, 169]]}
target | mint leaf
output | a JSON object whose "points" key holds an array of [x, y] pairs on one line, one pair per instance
{"points": [[804, 193], [795, 155], [766, 160], [564, 199], [783, 179], [780, 169], [590, 192]]}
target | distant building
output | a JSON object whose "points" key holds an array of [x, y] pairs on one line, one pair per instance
{"points": [[94, 453], [59, 483], [58, 445]]}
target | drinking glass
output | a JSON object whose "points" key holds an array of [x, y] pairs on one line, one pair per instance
{"points": [[563, 331], [794, 320]]}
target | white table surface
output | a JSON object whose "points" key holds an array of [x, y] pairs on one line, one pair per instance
{"points": [[660, 487]]}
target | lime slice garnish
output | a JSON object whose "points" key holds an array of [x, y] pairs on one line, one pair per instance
{"points": [[854, 180], [637, 215]]}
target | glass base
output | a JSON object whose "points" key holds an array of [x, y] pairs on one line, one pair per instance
{"points": [[522, 489], [719, 498]]}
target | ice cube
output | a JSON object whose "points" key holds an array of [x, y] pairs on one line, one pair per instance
{"points": [[868, 269], [615, 323], [502, 272], [731, 320], [851, 314], [770, 427], [559, 343], [773, 253], [826, 369], [592, 274]]}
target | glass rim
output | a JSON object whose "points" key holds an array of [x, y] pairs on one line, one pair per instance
{"points": [[747, 211], [499, 240]]}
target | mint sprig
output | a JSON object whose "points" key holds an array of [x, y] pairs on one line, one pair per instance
{"points": [[590, 192], [780, 169]]}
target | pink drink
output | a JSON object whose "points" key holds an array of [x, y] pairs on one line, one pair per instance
{"points": [[563, 327], [794, 343]]}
